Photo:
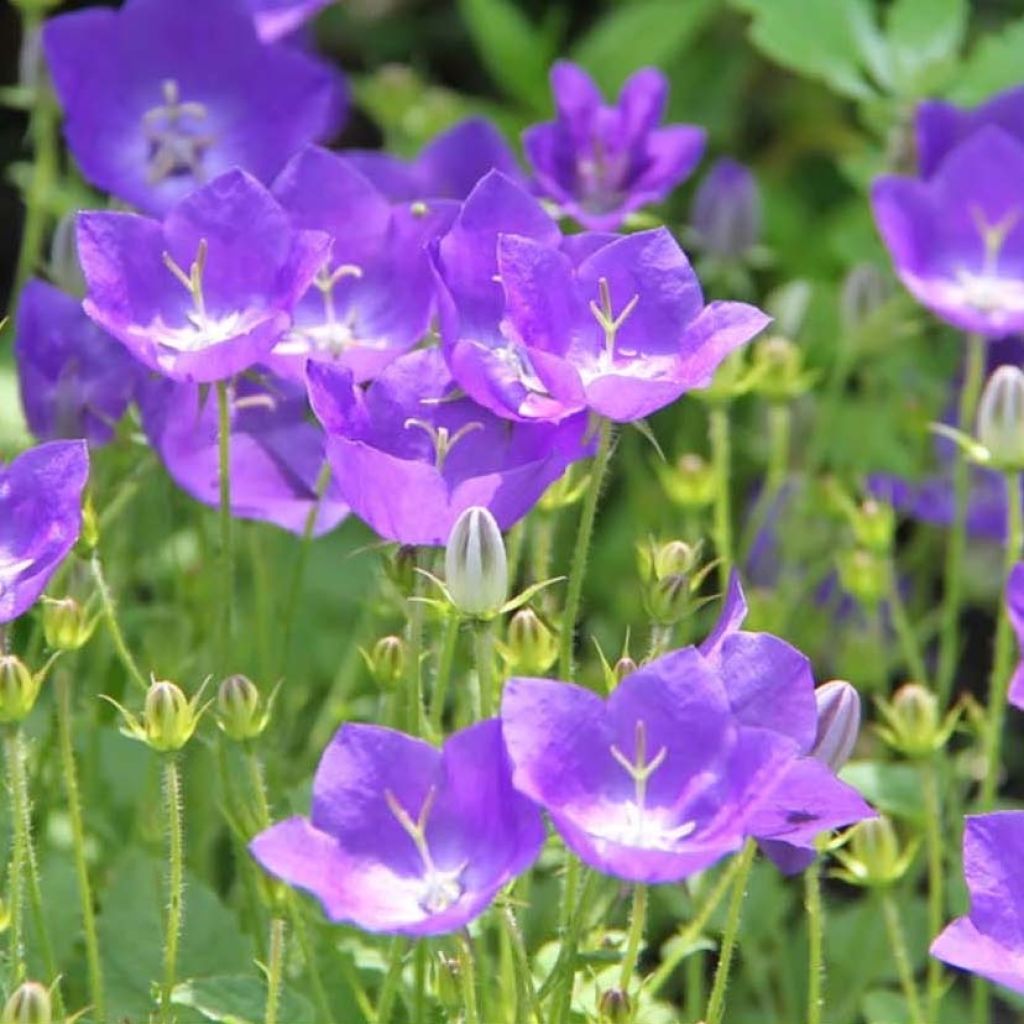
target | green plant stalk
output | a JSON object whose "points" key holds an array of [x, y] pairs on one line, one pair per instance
{"points": [[637, 923], [905, 631], [1002, 662], [257, 783], [716, 1001], [815, 942], [949, 635], [721, 458], [483, 653], [898, 942], [413, 703], [323, 1004], [175, 882], [227, 567], [578, 567], [442, 679], [527, 1004], [542, 542], [275, 967], [934, 836], [419, 1002], [16, 879], [74, 798], [389, 989], [467, 974], [563, 975], [113, 626]]}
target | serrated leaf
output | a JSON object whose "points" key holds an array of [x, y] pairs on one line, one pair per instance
{"points": [[238, 999], [994, 64], [924, 38]]}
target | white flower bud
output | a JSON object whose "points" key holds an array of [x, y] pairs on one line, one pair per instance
{"points": [[476, 568], [838, 723], [1001, 418]]}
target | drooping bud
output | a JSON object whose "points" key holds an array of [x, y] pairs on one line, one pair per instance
{"points": [[1001, 419], [864, 575], [615, 1007], [872, 856], [531, 647], [913, 725], [864, 290], [476, 567], [874, 526], [838, 723], [19, 689], [726, 214], [691, 483], [66, 625], [241, 712], [386, 661], [29, 1003]]}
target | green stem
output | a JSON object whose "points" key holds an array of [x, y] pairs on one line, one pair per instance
{"points": [[934, 836], [898, 941], [74, 798], [542, 542], [905, 631], [419, 1005], [716, 1002], [637, 922], [110, 616], [1002, 662], [949, 637], [175, 883], [527, 1003], [301, 931], [563, 975], [579, 558], [815, 942], [780, 430], [389, 989], [483, 653], [721, 458], [467, 974], [414, 668], [16, 881], [275, 966], [444, 673], [258, 784], [226, 543]]}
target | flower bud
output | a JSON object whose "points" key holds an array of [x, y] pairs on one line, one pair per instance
{"points": [[874, 526], [241, 713], [65, 624], [476, 568], [864, 290], [873, 857], [532, 647], [779, 372], [726, 211], [29, 1003], [65, 269], [89, 536], [691, 483], [864, 575], [668, 600], [19, 689], [625, 666], [675, 558], [615, 1007], [168, 718], [1001, 418], [386, 661], [912, 722], [838, 723]]}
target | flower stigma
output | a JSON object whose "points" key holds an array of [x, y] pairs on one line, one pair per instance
{"points": [[175, 146]]}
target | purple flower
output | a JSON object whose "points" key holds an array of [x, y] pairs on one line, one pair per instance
{"points": [[1015, 609], [404, 837], [726, 212], [40, 519], [941, 126], [536, 327], [990, 940], [161, 96], [276, 19], [957, 239], [599, 163], [411, 454], [76, 381], [448, 168], [373, 298], [207, 292], [655, 783], [277, 455]]}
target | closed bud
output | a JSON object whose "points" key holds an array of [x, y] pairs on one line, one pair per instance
{"points": [[476, 568], [89, 536], [872, 856], [865, 289], [874, 526], [66, 625], [625, 666], [65, 270], [838, 723], [691, 483], [864, 575], [169, 720], [675, 558], [19, 689], [778, 369], [1001, 418], [912, 723], [29, 1003], [668, 600], [726, 214], [532, 647], [615, 1007], [241, 712], [386, 661]]}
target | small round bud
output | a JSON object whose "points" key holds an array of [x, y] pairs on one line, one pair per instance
{"points": [[865, 290], [864, 575], [65, 624], [476, 567], [29, 1003], [19, 689], [1001, 418], [387, 661], [675, 558], [873, 856], [615, 1007], [874, 526], [532, 647], [913, 725], [779, 372], [838, 723], [241, 713], [726, 215], [625, 666], [691, 483], [168, 718]]}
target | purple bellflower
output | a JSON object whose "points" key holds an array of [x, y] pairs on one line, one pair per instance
{"points": [[76, 380], [277, 454], [40, 519], [207, 292], [276, 19], [161, 96], [989, 941], [449, 167], [726, 212], [536, 327], [373, 298], [412, 453], [1014, 598], [957, 239], [404, 837], [600, 162], [941, 126]]}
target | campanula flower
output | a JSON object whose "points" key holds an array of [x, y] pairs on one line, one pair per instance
{"points": [[404, 837], [600, 162], [726, 212], [276, 19]]}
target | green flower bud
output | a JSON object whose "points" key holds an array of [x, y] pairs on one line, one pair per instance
{"points": [[615, 1007], [476, 567], [66, 625], [874, 526], [168, 716], [778, 369], [912, 723], [625, 666], [668, 600], [386, 661], [29, 1003], [241, 712], [89, 536], [674, 559], [864, 575], [19, 689], [691, 483], [532, 648], [872, 857], [1001, 418]]}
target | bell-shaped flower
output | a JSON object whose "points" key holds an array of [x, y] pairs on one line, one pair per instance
{"points": [[276, 19], [957, 239], [601, 162], [404, 837], [208, 291], [412, 453], [989, 940], [276, 453], [1014, 598], [373, 298], [40, 519], [161, 96], [75, 379]]}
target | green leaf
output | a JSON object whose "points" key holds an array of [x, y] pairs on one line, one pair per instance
{"points": [[641, 34], [924, 38], [892, 788], [994, 64], [515, 52], [238, 999]]}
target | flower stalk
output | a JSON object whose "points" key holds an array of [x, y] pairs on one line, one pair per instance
{"points": [[174, 811], [716, 1001]]}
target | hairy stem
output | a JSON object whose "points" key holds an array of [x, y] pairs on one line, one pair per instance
{"points": [[442, 680], [175, 882], [815, 942], [898, 942], [934, 842], [113, 626], [275, 966], [721, 458], [716, 1002]]}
